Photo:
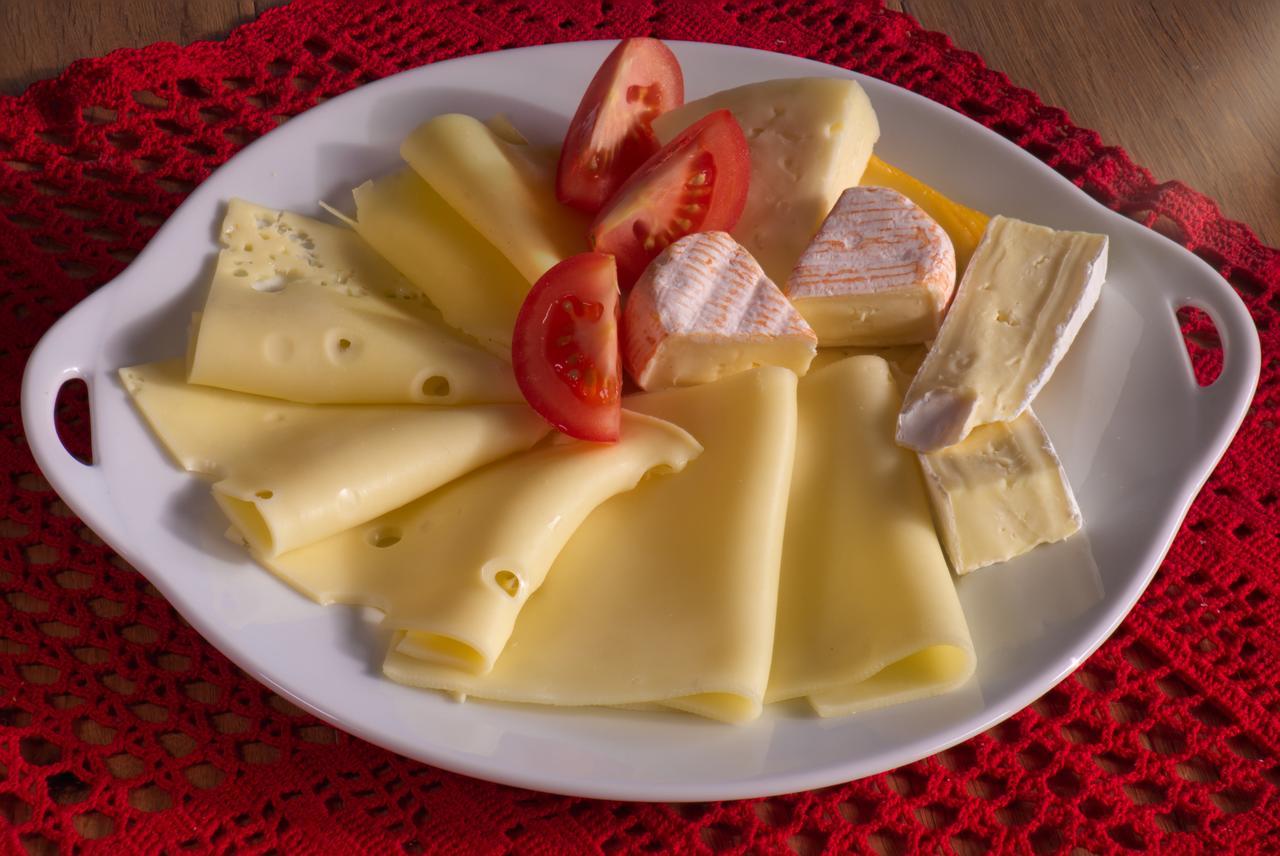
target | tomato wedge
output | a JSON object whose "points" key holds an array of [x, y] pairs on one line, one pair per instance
{"points": [[610, 136], [696, 183], [565, 348]]}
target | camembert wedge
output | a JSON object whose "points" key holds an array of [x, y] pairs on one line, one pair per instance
{"points": [[1020, 304], [810, 138], [704, 309], [879, 272], [998, 493]]}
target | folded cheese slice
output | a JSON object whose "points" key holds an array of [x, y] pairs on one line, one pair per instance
{"points": [[457, 566], [291, 474], [505, 190], [1023, 298], [999, 492], [472, 284], [867, 613], [809, 137], [667, 593], [704, 309], [879, 272], [308, 312]]}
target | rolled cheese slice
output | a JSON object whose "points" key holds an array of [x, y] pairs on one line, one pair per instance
{"points": [[879, 272], [287, 474], [505, 190], [463, 275], [308, 312], [457, 566], [704, 309], [809, 137], [867, 613], [665, 594], [1024, 296], [999, 492]]}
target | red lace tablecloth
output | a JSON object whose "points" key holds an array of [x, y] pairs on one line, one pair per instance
{"points": [[121, 730]]}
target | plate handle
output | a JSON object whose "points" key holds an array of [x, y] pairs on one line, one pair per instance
{"points": [[1241, 348], [66, 352]]}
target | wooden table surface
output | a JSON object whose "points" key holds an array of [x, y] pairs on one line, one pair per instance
{"points": [[1190, 88]]}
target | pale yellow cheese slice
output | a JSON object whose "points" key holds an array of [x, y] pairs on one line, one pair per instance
{"points": [[505, 190], [472, 284], [457, 566], [290, 474], [308, 312], [810, 138], [867, 612], [666, 593]]}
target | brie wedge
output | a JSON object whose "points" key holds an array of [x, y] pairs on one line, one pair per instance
{"points": [[1024, 296], [704, 309]]}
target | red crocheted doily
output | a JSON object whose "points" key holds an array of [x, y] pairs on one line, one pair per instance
{"points": [[120, 729]]}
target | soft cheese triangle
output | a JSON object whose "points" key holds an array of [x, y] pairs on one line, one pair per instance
{"points": [[463, 275], [867, 613], [667, 593], [1024, 296], [457, 566], [879, 272], [505, 190], [307, 311], [291, 474], [999, 492], [809, 137], [704, 309]]}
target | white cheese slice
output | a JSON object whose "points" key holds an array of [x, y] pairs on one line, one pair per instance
{"points": [[666, 593], [1024, 296], [867, 613], [306, 311], [704, 309], [879, 272], [810, 138], [506, 191], [472, 284], [458, 565], [999, 492], [291, 474]]}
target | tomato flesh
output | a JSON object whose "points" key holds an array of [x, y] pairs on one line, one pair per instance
{"points": [[610, 135], [565, 348], [698, 182]]}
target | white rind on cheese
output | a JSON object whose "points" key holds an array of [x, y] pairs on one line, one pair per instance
{"points": [[306, 311], [704, 309], [667, 593], [1022, 300], [288, 474], [809, 137], [505, 190], [880, 272], [867, 612], [456, 567], [999, 493]]}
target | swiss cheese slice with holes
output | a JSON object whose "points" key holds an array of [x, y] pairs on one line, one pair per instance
{"points": [[704, 309], [809, 137], [667, 593], [867, 613], [457, 566], [291, 474], [505, 190], [307, 311], [879, 272], [999, 492], [463, 275]]}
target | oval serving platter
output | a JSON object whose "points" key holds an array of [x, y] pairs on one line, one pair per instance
{"points": [[1137, 435]]}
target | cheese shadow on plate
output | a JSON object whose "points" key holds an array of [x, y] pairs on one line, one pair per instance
{"points": [[162, 333]]}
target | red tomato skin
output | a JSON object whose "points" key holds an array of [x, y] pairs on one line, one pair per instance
{"points": [[588, 282], [643, 67], [664, 178]]}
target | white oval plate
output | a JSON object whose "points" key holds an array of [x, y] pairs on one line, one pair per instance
{"points": [[1137, 435]]}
